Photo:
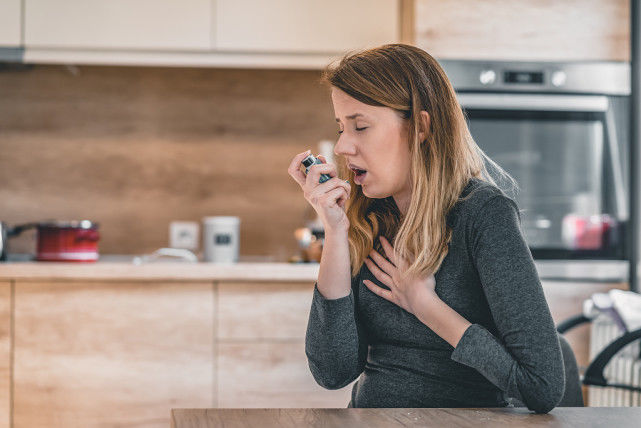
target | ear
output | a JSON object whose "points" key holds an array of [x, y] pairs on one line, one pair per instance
{"points": [[424, 125]]}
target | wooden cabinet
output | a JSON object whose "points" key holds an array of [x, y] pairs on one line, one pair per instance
{"points": [[305, 26], [5, 354], [230, 33], [123, 353], [111, 353], [524, 30], [261, 359], [10, 23], [119, 24]]}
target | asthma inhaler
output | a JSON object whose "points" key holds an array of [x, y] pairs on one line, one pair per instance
{"points": [[311, 160]]}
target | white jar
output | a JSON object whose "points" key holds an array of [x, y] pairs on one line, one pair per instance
{"points": [[221, 238]]}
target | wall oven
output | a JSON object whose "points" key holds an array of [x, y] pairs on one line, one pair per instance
{"points": [[562, 131]]}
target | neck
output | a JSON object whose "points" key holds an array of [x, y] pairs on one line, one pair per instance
{"points": [[402, 202]]}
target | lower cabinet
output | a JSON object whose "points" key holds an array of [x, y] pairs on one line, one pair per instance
{"points": [[5, 354], [273, 375], [124, 353], [261, 358], [111, 353]]}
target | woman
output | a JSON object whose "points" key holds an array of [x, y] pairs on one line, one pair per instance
{"points": [[427, 289]]}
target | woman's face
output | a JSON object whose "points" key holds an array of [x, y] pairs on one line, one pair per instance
{"points": [[375, 139]]}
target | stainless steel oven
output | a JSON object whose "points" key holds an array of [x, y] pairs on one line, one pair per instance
{"points": [[562, 131]]}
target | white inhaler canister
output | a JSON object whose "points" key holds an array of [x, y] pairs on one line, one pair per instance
{"points": [[221, 236]]}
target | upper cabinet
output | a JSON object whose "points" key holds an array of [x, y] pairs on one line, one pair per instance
{"points": [[235, 33], [592, 30], [328, 26], [119, 24], [10, 18]]}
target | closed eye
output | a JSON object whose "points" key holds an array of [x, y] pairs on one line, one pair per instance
{"points": [[357, 129]]}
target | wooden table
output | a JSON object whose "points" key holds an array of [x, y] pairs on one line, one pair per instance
{"points": [[580, 417]]}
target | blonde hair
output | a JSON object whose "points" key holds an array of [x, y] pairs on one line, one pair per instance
{"points": [[409, 80]]}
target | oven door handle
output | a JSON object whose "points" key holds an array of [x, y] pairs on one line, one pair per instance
{"points": [[613, 146], [534, 102]]}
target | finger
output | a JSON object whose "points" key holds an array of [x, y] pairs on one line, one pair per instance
{"points": [[382, 262], [385, 294], [315, 171], [343, 199], [294, 167], [331, 198], [379, 274], [330, 184], [389, 250], [313, 177], [321, 157]]}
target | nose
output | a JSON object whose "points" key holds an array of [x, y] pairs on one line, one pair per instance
{"points": [[344, 146]]}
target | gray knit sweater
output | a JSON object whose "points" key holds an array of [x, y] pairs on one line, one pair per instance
{"points": [[489, 277]]}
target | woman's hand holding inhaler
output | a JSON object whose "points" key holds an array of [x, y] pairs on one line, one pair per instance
{"points": [[328, 198]]}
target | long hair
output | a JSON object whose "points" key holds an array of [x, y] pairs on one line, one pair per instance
{"points": [[409, 80]]}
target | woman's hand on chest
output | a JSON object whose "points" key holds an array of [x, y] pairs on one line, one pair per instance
{"points": [[413, 291]]}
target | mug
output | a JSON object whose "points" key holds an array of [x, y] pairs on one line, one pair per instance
{"points": [[221, 236]]}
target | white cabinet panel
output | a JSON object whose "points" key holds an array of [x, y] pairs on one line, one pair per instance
{"points": [[119, 24], [10, 19], [304, 26]]}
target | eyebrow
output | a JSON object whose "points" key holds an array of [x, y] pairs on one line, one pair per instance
{"points": [[351, 116]]}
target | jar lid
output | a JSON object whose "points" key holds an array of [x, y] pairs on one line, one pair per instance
{"points": [[230, 220]]}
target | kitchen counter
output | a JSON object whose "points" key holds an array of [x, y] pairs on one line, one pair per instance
{"points": [[121, 267]]}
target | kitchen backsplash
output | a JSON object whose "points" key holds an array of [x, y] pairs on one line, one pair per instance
{"points": [[134, 148]]}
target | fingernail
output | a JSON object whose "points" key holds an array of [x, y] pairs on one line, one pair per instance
{"points": [[347, 181]]}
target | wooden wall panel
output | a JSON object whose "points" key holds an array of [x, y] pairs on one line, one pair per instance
{"points": [[524, 30], [134, 148], [111, 354], [5, 354]]}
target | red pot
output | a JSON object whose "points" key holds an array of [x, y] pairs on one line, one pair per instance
{"points": [[68, 241]]}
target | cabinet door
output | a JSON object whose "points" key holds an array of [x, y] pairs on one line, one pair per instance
{"points": [[5, 353], [271, 374], [118, 24], [524, 30], [263, 310], [326, 26], [261, 359], [111, 353], [10, 19]]}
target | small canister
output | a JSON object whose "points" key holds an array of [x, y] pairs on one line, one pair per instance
{"points": [[312, 160], [221, 239]]}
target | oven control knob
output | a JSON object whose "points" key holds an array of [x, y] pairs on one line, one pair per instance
{"points": [[559, 78], [487, 77]]}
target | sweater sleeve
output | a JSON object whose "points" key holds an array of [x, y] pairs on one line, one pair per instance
{"points": [[525, 360], [335, 342]]}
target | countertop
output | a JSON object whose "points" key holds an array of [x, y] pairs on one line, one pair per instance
{"points": [[121, 267], [620, 417], [258, 268]]}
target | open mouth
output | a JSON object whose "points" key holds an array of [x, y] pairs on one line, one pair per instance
{"points": [[358, 172]]}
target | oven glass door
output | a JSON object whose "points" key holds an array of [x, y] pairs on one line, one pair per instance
{"points": [[558, 150]]}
